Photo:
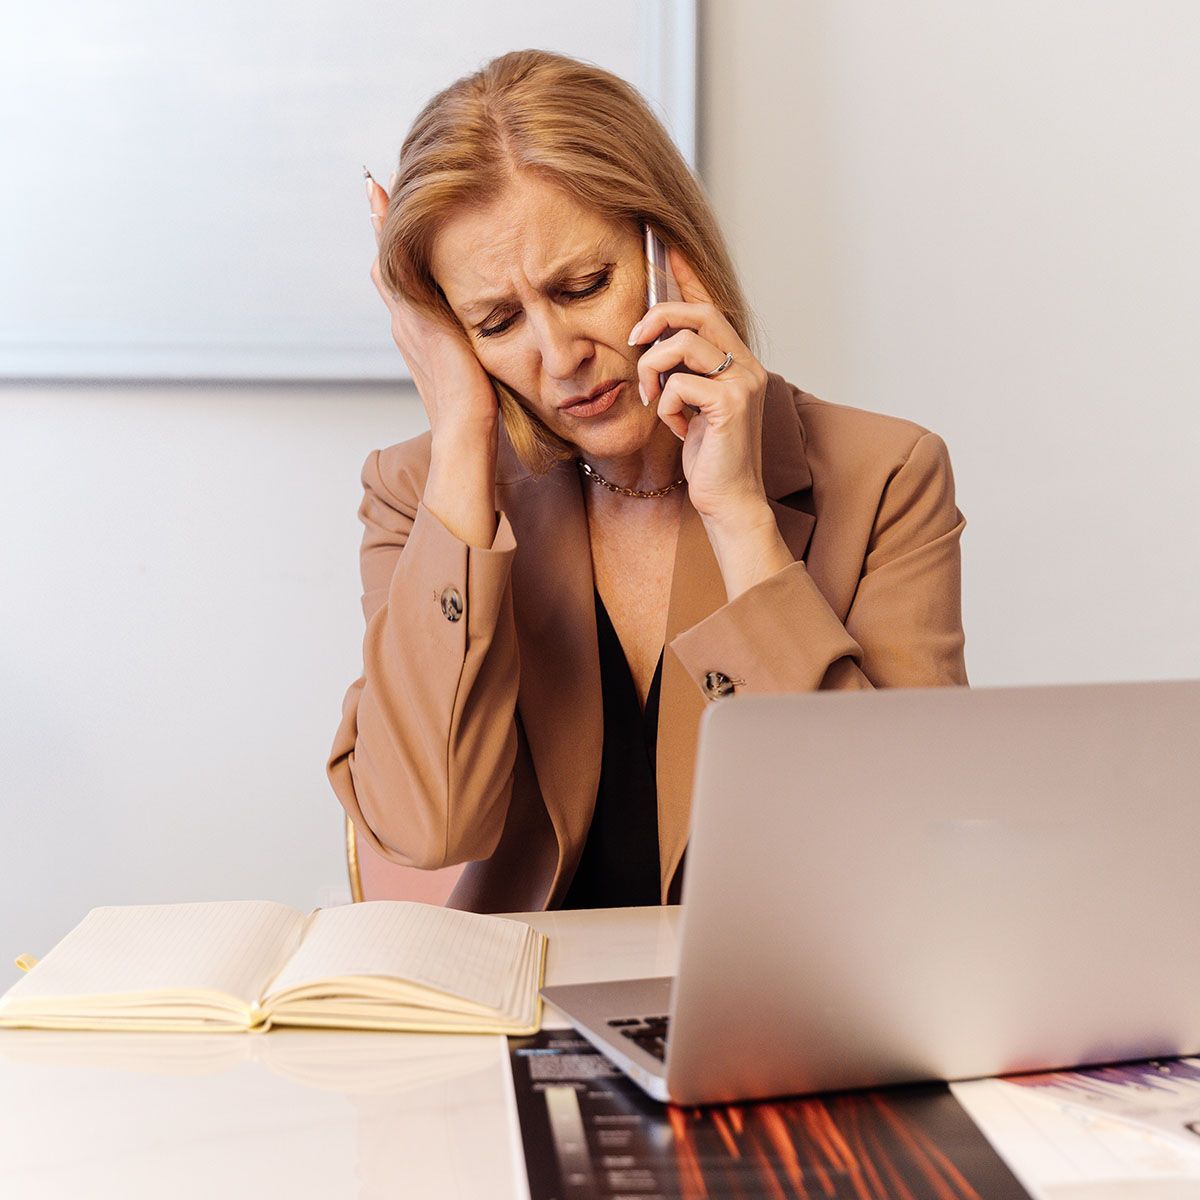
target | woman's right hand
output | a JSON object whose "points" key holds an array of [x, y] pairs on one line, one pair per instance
{"points": [[460, 402], [458, 395]]}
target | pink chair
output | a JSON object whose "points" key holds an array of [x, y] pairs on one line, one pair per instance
{"points": [[374, 878]]}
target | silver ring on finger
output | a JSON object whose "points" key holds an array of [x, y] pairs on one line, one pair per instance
{"points": [[717, 370]]}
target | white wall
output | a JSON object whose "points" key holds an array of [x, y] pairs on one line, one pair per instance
{"points": [[983, 217], [976, 216], [179, 583], [193, 169]]}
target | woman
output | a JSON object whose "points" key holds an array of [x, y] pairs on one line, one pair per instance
{"points": [[555, 587]]}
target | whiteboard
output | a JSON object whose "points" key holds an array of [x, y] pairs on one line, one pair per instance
{"points": [[183, 190]]}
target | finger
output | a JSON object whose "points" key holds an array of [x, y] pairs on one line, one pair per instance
{"points": [[377, 198], [704, 318], [676, 422], [687, 392], [690, 285], [687, 349], [377, 280]]}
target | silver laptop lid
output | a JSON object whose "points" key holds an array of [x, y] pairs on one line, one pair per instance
{"points": [[938, 883]]}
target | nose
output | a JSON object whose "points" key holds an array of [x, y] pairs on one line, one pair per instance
{"points": [[563, 346]]}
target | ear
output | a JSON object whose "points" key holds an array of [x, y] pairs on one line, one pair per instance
{"points": [[689, 282]]}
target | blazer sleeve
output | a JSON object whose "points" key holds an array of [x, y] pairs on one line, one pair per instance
{"points": [[423, 757], [904, 625]]}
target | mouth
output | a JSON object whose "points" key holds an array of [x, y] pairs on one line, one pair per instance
{"points": [[599, 400]]}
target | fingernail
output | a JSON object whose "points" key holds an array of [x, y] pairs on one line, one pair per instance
{"points": [[369, 182], [392, 181], [633, 333], [645, 398]]}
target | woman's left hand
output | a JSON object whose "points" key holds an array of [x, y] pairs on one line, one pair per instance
{"points": [[722, 429]]}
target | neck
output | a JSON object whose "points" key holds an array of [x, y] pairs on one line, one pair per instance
{"points": [[655, 467], [657, 464]]}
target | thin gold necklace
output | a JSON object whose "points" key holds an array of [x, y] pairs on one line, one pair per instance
{"points": [[596, 477]]}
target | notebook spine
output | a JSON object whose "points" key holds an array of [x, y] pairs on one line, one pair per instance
{"points": [[259, 1019]]}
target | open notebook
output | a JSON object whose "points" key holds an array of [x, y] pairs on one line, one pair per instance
{"points": [[250, 964]]}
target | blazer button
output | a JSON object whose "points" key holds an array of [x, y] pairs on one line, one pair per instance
{"points": [[718, 684], [452, 603]]}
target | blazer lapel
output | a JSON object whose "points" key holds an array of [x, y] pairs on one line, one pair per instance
{"points": [[697, 591], [559, 701]]}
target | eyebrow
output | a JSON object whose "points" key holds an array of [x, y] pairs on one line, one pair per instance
{"points": [[559, 274]]}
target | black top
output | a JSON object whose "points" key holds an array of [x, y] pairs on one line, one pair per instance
{"points": [[619, 865]]}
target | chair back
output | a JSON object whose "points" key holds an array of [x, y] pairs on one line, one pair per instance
{"points": [[375, 878]]}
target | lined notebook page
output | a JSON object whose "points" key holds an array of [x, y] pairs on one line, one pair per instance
{"points": [[472, 955], [232, 946]]}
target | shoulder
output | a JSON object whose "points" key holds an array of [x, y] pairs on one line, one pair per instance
{"points": [[398, 472], [843, 437], [855, 451], [393, 481], [876, 476]]}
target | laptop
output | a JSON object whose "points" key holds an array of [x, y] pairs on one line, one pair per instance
{"points": [[919, 884]]}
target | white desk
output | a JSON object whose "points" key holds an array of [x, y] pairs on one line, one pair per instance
{"points": [[294, 1112], [331, 1114]]}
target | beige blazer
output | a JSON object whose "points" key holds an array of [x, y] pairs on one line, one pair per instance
{"points": [[474, 732]]}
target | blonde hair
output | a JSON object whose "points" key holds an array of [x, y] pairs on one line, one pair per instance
{"points": [[573, 125]]}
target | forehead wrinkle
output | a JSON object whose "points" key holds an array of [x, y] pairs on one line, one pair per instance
{"points": [[554, 275]]}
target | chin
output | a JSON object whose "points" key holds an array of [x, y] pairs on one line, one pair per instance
{"points": [[613, 435]]}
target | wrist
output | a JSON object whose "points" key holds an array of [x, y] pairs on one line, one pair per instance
{"points": [[748, 547], [465, 443], [460, 489], [740, 519], [464, 462]]}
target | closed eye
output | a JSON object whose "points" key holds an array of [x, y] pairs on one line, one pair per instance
{"points": [[590, 290]]}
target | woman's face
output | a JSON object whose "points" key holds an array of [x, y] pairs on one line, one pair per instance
{"points": [[547, 293]]}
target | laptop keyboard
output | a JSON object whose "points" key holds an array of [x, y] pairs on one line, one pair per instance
{"points": [[648, 1032]]}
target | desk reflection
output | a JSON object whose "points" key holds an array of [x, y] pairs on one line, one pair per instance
{"points": [[342, 1113]]}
